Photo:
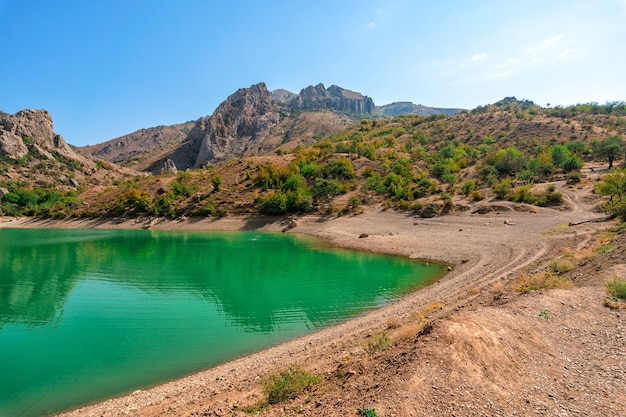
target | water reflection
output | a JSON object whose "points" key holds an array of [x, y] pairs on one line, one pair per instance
{"points": [[87, 314]]}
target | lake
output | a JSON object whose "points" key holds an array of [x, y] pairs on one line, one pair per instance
{"points": [[89, 314]]}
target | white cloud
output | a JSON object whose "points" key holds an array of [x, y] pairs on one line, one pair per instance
{"points": [[480, 56], [371, 25], [544, 45]]}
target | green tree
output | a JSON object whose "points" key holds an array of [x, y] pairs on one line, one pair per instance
{"points": [[613, 185], [611, 148]]}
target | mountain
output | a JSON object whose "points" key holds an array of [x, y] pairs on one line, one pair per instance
{"points": [[251, 121], [406, 107], [334, 98]]}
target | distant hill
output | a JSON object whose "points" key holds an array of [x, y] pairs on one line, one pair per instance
{"points": [[406, 107], [138, 148]]}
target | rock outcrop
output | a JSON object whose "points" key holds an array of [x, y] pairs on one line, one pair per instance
{"points": [[34, 128], [237, 127], [334, 98]]}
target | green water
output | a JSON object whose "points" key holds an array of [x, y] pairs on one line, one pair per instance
{"points": [[89, 314]]}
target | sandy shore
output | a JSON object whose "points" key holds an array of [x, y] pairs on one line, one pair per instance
{"points": [[481, 249]]}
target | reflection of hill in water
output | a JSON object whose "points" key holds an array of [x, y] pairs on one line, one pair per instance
{"points": [[254, 278], [26, 300]]}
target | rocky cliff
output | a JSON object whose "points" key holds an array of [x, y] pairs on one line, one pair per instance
{"points": [[237, 127], [31, 128], [334, 98]]}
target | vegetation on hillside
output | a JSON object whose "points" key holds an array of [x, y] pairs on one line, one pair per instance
{"points": [[416, 163]]}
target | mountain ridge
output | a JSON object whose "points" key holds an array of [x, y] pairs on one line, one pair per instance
{"points": [[249, 121]]}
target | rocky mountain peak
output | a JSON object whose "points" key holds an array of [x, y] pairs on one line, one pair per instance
{"points": [[237, 126], [334, 98]]}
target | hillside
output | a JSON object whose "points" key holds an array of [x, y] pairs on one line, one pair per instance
{"points": [[424, 165], [251, 121]]}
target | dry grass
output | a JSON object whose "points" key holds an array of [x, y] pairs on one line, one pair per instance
{"points": [[541, 281], [408, 331], [393, 323], [562, 265], [497, 287]]}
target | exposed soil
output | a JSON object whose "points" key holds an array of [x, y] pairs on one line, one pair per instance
{"points": [[467, 345]]}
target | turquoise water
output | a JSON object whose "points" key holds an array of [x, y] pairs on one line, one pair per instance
{"points": [[89, 314]]}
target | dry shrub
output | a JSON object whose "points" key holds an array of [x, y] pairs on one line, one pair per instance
{"points": [[542, 281], [562, 266], [497, 287], [409, 331], [473, 291], [393, 323]]}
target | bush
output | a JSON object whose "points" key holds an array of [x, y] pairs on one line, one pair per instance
{"points": [[274, 203], [616, 287], [377, 343], [288, 384], [368, 412], [216, 181]]}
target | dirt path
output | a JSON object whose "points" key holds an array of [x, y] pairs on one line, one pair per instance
{"points": [[488, 351]]}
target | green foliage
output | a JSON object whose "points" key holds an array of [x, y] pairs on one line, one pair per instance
{"points": [[508, 161], [467, 187], [367, 412], [38, 201], [354, 202], [327, 188], [616, 287], [216, 182], [611, 148], [274, 203], [502, 188], [288, 384], [340, 169], [613, 185], [182, 184]]}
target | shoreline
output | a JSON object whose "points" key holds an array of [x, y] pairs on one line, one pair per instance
{"points": [[484, 249]]}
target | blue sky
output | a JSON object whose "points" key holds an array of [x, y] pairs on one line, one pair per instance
{"points": [[104, 68]]}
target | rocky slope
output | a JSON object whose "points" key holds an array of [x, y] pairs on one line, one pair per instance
{"points": [[138, 148]]}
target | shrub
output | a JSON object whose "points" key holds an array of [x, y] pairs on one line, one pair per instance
{"points": [[368, 412], [573, 177], [616, 287], [377, 343], [561, 266], [544, 281], [467, 187], [274, 203], [288, 384], [216, 181]]}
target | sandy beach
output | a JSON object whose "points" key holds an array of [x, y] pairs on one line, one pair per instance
{"points": [[483, 251]]}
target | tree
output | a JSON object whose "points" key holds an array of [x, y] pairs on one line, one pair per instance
{"points": [[614, 186], [611, 148]]}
